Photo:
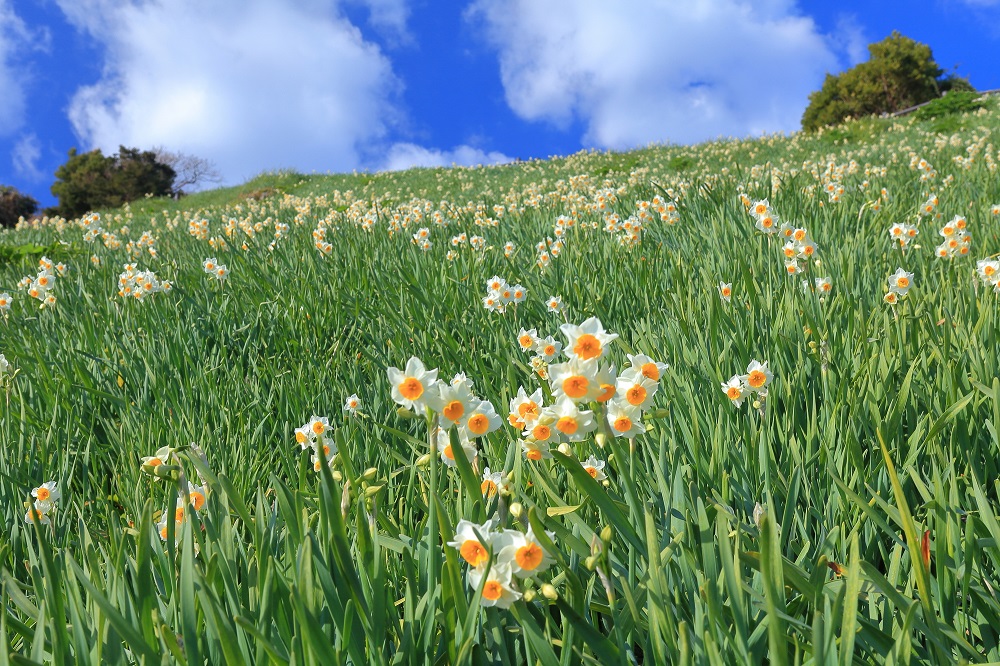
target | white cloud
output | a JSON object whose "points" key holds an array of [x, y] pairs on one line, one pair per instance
{"points": [[16, 41], [251, 85], [25, 155], [407, 155], [390, 17], [639, 71], [849, 37]]}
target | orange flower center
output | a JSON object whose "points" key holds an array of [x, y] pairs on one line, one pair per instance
{"points": [[525, 341], [541, 432], [529, 556], [528, 409], [734, 393], [727, 292], [488, 488], [533, 454], [903, 282], [623, 424], [587, 346], [989, 270], [197, 500], [650, 371], [549, 350], [636, 395], [454, 410], [799, 235], [473, 552], [479, 424], [448, 453], [300, 437], [492, 590], [607, 392], [411, 388], [43, 494], [318, 427], [756, 379], [592, 471], [567, 425], [576, 386]]}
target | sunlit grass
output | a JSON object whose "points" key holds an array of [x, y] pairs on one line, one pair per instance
{"points": [[849, 517]]}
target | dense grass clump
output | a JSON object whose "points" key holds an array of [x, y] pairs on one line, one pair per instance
{"points": [[838, 507]]}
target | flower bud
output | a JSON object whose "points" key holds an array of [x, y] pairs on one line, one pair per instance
{"points": [[337, 476], [549, 592], [601, 439], [606, 534], [758, 514], [528, 596], [369, 474], [405, 413], [565, 449], [423, 460], [516, 509]]}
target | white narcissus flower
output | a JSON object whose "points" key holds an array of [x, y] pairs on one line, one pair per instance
{"points": [[523, 553], [457, 402], [4, 364], [352, 403], [415, 387], [527, 339], [548, 348], [824, 285], [636, 389], [446, 451], [46, 495], [607, 381], [525, 409], [586, 341], [726, 291], [576, 379], [734, 390], [758, 376], [648, 367], [473, 541], [573, 423], [595, 468], [498, 588], [625, 420], [900, 281], [482, 420], [493, 483]]}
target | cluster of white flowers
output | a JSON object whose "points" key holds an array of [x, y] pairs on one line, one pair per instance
{"points": [[422, 238], [903, 233], [41, 286], [756, 380], [499, 294], [957, 241], [477, 243], [215, 269], [312, 436], [575, 384], [46, 496], [133, 283], [547, 250], [517, 555], [91, 223], [988, 271]]}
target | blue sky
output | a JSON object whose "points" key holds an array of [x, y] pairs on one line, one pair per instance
{"points": [[337, 85]]}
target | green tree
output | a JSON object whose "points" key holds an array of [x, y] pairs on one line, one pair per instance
{"points": [[898, 74], [90, 181], [15, 205]]}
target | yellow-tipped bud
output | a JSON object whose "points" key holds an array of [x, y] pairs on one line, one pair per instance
{"points": [[549, 592], [516, 509]]}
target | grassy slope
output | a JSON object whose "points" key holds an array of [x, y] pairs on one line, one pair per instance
{"points": [[102, 382]]}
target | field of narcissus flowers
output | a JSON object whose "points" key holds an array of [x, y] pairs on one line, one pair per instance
{"points": [[734, 403]]}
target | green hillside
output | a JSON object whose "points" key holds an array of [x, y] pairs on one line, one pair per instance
{"points": [[812, 480]]}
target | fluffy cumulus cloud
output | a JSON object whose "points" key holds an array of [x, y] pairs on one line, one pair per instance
{"points": [[251, 85], [640, 71], [25, 155], [17, 40], [407, 155]]}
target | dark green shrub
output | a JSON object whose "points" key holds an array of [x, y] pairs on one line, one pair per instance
{"points": [[90, 181], [899, 73], [15, 205], [952, 103]]}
